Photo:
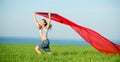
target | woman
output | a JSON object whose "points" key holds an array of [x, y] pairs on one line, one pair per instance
{"points": [[43, 27]]}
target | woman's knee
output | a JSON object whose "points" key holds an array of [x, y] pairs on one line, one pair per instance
{"points": [[37, 48]]}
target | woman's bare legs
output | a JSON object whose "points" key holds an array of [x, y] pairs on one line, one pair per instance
{"points": [[37, 49]]}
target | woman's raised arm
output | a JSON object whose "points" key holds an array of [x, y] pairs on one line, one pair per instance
{"points": [[49, 20], [35, 20]]}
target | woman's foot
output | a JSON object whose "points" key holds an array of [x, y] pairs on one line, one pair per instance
{"points": [[39, 53]]}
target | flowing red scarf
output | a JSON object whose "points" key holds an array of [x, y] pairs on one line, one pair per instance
{"points": [[95, 39]]}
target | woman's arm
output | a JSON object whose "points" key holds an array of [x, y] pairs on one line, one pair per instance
{"points": [[35, 20], [49, 20]]}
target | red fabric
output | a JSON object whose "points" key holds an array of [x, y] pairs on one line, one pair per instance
{"points": [[95, 39]]}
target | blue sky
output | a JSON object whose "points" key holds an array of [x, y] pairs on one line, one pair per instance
{"points": [[103, 16]]}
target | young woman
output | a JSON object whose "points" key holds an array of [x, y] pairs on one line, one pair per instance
{"points": [[43, 27]]}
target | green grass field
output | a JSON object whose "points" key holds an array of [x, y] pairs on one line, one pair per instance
{"points": [[60, 53]]}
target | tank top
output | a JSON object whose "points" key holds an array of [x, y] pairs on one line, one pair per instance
{"points": [[43, 31]]}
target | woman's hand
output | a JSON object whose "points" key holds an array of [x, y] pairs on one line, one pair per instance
{"points": [[34, 14], [49, 13]]}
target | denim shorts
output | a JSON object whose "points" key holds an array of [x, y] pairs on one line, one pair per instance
{"points": [[45, 45]]}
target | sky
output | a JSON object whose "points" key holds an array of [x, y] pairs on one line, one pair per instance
{"points": [[103, 16]]}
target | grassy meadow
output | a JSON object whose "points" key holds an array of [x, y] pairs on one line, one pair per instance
{"points": [[60, 53]]}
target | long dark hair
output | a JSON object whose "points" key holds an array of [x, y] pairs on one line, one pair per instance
{"points": [[45, 24]]}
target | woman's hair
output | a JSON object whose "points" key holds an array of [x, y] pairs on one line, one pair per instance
{"points": [[45, 24]]}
